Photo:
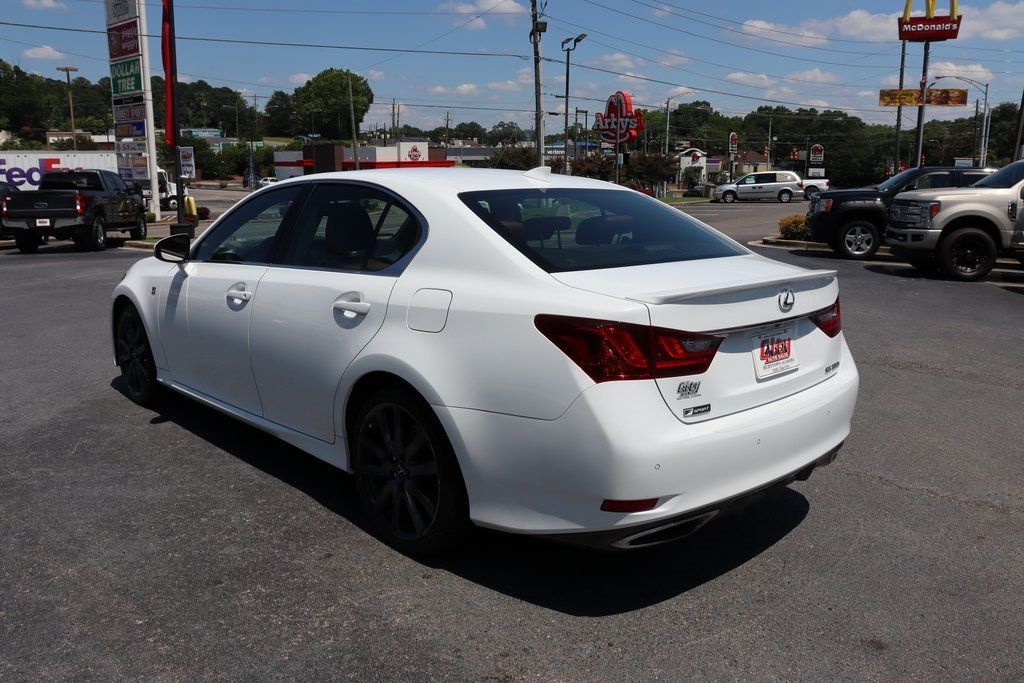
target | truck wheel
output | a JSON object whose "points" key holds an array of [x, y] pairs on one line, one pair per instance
{"points": [[139, 232], [172, 204], [729, 197], [857, 240], [968, 254], [785, 196], [27, 241], [97, 236], [809, 190]]}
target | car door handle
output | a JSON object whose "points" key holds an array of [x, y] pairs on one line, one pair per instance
{"points": [[353, 307], [239, 294]]}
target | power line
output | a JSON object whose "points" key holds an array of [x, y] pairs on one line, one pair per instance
{"points": [[299, 10]]}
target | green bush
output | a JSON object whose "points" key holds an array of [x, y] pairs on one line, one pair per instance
{"points": [[150, 217], [793, 227]]}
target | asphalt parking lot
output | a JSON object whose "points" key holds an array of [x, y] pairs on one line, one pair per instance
{"points": [[178, 544]]}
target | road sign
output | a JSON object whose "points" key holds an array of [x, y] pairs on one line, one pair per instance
{"points": [[126, 77], [130, 129], [123, 40], [817, 154], [120, 10], [187, 165]]}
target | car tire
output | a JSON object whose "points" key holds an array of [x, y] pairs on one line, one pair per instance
{"points": [[785, 196], [172, 204], [728, 197], [140, 230], [967, 254], [97, 235], [134, 357], [27, 241], [808, 191], [857, 240], [408, 479]]}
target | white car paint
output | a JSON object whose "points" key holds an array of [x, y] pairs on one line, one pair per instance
{"points": [[539, 443]]}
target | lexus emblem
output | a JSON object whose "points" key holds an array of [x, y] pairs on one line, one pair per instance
{"points": [[786, 299]]}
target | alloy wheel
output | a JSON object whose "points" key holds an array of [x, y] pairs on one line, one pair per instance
{"points": [[859, 240], [969, 255], [133, 355]]}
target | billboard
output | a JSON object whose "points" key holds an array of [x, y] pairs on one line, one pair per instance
{"points": [[817, 154], [619, 123], [911, 97], [120, 10], [130, 129]]}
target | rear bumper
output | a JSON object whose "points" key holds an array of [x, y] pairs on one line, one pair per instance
{"points": [[61, 228], [619, 441]]}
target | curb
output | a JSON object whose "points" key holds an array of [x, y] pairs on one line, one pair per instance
{"points": [[139, 244]]}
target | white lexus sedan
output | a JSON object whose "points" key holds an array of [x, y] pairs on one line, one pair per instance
{"points": [[534, 353]]}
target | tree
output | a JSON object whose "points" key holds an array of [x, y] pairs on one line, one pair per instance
{"points": [[280, 114], [648, 169], [504, 133], [325, 96], [596, 165], [468, 130], [514, 158]]}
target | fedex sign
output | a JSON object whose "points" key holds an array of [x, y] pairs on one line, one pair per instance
{"points": [[25, 170], [19, 176]]}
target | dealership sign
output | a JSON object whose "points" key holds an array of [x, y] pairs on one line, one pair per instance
{"points": [[126, 76], [123, 40], [619, 123], [911, 97], [930, 26]]}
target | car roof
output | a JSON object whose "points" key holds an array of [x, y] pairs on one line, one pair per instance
{"points": [[456, 180]]}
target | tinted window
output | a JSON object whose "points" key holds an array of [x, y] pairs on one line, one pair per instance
{"points": [[934, 180], [898, 179], [765, 178], [567, 229], [971, 178], [71, 180], [350, 227], [117, 182], [249, 232], [1004, 178]]}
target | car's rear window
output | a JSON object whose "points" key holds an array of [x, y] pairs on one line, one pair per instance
{"points": [[71, 181], [573, 229]]}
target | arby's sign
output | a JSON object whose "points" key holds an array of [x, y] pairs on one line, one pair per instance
{"points": [[619, 123]]}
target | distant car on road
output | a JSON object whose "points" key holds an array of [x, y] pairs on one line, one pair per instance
{"points": [[537, 353], [783, 186], [852, 221], [267, 181]]}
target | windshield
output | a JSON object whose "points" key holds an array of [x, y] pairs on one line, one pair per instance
{"points": [[1006, 177], [898, 179], [563, 229]]}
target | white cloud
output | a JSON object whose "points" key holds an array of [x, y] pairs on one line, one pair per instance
{"points": [[975, 72], [185, 78], [745, 78], [42, 52], [299, 78], [859, 24], [375, 75], [815, 75], [677, 58], [630, 77], [662, 11], [767, 29], [681, 90], [998, 21], [44, 4], [821, 104], [504, 85], [461, 89], [268, 80], [868, 93], [618, 60], [507, 10], [894, 80]]}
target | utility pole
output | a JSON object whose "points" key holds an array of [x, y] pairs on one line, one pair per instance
{"points": [[667, 115], [1017, 152], [352, 115], [538, 27], [920, 108], [769, 143], [899, 108], [574, 42], [71, 104], [976, 149], [447, 123], [807, 153]]}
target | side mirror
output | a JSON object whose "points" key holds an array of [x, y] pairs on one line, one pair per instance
{"points": [[173, 249]]}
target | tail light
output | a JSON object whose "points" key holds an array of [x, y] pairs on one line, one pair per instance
{"points": [[3, 208], [79, 203], [608, 350], [826, 205], [800, 184], [829, 319]]}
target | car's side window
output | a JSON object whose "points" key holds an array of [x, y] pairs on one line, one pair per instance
{"points": [[351, 227], [118, 183], [749, 180], [248, 234], [765, 178], [971, 178], [934, 180]]}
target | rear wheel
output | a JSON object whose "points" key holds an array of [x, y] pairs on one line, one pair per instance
{"points": [[729, 197], [172, 204], [135, 357], [27, 241], [139, 231], [857, 240], [809, 190], [408, 479], [94, 238], [785, 196], [968, 254]]}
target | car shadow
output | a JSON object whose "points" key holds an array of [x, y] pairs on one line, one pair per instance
{"points": [[561, 577], [1005, 273]]}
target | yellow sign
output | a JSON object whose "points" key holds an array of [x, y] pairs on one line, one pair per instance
{"points": [[929, 9], [911, 97]]}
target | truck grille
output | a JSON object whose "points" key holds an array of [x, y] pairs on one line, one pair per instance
{"points": [[905, 215]]}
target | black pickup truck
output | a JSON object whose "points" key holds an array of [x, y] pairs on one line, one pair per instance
{"points": [[86, 206], [852, 222]]}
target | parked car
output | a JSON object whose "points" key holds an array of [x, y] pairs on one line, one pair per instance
{"points": [[536, 353], [5, 190], [852, 222], [962, 231], [267, 181], [783, 186], [85, 206]]}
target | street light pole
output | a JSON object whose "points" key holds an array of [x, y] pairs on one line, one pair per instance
{"points": [[986, 116], [920, 106], [574, 42], [71, 103]]}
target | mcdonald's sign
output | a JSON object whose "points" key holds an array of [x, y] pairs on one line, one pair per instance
{"points": [[931, 26]]}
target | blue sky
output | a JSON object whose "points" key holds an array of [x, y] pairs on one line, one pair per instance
{"points": [[827, 54]]}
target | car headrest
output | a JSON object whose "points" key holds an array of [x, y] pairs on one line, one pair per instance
{"points": [[349, 229], [602, 229], [543, 227]]}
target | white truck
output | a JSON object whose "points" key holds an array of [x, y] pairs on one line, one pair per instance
{"points": [[24, 170], [962, 231]]}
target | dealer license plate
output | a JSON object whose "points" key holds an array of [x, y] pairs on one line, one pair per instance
{"points": [[774, 352], [42, 222]]}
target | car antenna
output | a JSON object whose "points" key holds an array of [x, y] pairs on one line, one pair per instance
{"points": [[539, 173]]}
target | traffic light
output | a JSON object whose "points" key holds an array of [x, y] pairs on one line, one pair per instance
{"points": [[765, 151], [794, 154]]}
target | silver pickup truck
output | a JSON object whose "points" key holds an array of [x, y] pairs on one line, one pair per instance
{"points": [[962, 231]]}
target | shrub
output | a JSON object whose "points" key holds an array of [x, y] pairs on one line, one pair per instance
{"points": [[793, 227], [150, 217], [203, 212], [223, 184]]}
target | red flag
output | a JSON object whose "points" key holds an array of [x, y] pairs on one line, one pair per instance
{"points": [[170, 76]]}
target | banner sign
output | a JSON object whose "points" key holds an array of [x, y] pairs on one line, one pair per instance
{"points": [[128, 112], [187, 165], [619, 123], [126, 76], [734, 142], [911, 97], [120, 10], [130, 129], [929, 27], [817, 154], [123, 40], [129, 147]]}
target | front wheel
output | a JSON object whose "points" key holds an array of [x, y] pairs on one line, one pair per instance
{"points": [[409, 482], [172, 204], [135, 357], [139, 231], [27, 241], [785, 196], [729, 197], [857, 240], [969, 254]]}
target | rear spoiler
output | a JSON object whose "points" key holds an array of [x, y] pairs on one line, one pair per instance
{"points": [[698, 291]]}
